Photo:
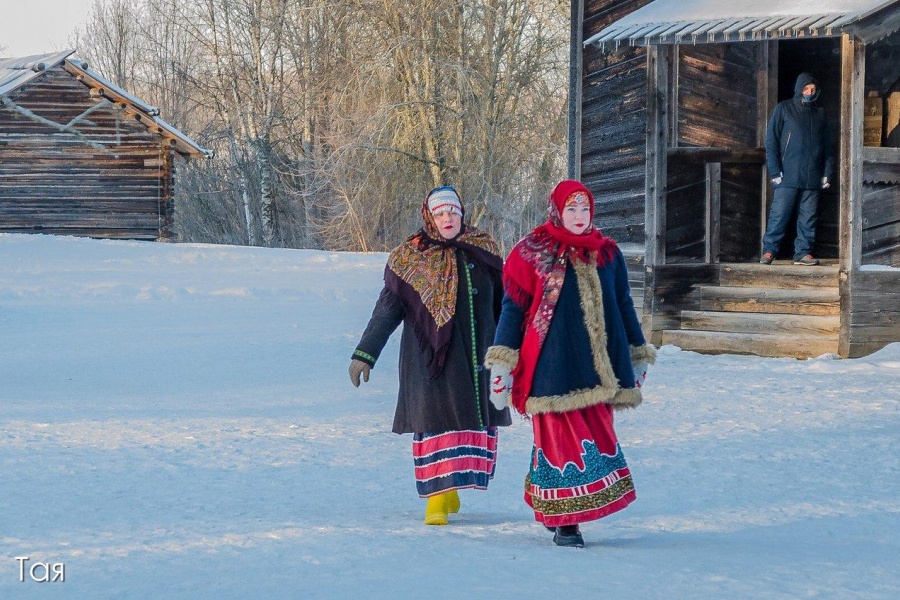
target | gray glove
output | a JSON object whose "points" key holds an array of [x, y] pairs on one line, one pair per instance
{"points": [[358, 367]]}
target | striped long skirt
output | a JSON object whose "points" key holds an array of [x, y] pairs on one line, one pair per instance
{"points": [[454, 460], [578, 472]]}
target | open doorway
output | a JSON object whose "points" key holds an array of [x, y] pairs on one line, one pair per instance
{"points": [[822, 58]]}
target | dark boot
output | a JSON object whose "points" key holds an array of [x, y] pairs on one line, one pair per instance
{"points": [[569, 536]]}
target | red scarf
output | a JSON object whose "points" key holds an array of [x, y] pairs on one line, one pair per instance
{"points": [[533, 277]]}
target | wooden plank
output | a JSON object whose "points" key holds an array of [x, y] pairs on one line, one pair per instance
{"points": [[881, 205], [717, 155], [777, 324], [875, 333], [824, 301], [576, 56], [711, 342], [880, 282], [659, 60], [713, 213], [881, 173], [853, 57], [782, 276], [860, 349], [767, 99], [884, 156]]}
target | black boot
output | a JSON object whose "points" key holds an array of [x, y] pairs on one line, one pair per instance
{"points": [[568, 535]]}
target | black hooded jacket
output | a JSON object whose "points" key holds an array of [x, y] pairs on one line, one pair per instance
{"points": [[798, 141]]}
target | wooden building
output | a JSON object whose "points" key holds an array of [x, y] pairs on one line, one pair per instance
{"points": [[81, 156], [669, 102]]}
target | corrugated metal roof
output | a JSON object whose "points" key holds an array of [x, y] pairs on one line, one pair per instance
{"points": [[16, 72], [710, 21]]}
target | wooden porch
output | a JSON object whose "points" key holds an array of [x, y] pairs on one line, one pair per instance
{"points": [[744, 308]]}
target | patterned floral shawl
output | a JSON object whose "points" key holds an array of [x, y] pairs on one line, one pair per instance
{"points": [[423, 272]]}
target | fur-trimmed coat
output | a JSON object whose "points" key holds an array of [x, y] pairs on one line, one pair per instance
{"points": [[449, 401], [593, 342]]}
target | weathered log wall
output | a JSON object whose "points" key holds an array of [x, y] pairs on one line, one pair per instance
{"points": [[881, 224], [101, 174], [613, 129], [874, 312], [881, 207]]}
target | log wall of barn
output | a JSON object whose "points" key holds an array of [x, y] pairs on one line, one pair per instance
{"points": [[874, 311], [716, 89], [881, 215], [613, 126], [105, 176]]}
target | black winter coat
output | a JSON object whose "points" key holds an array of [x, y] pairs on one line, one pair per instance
{"points": [[798, 141], [448, 402]]}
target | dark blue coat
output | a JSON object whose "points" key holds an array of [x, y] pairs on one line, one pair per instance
{"points": [[798, 141], [566, 361], [449, 401]]}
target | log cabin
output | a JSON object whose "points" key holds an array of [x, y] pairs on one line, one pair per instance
{"points": [[81, 156], [668, 106]]}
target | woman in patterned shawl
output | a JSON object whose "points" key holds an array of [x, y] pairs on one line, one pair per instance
{"points": [[444, 284], [568, 351]]}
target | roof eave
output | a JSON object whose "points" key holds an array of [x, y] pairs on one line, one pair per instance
{"points": [[148, 115]]}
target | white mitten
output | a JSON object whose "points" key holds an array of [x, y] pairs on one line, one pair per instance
{"points": [[640, 374], [501, 385], [825, 183]]}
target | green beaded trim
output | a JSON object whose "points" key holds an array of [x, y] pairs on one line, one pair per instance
{"points": [[362, 354], [474, 346]]}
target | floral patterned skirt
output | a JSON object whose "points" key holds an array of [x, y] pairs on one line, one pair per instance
{"points": [[454, 460], [578, 472]]}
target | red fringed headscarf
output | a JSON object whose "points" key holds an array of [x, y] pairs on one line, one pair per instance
{"points": [[534, 272]]}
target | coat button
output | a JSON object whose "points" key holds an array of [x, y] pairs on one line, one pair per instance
{"points": [[471, 266], [474, 291], [480, 368]]}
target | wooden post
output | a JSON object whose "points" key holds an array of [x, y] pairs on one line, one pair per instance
{"points": [[713, 212], [659, 63], [576, 66], [766, 100], [853, 57]]}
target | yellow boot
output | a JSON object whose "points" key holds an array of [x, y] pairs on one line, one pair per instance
{"points": [[436, 510], [452, 501]]}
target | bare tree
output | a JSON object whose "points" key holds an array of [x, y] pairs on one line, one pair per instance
{"points": [[332, 119]]}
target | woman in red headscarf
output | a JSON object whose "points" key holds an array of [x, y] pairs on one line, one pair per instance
{"points": [[568, 352]]}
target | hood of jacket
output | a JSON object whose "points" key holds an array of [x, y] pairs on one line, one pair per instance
{"points": [[802, 81]]}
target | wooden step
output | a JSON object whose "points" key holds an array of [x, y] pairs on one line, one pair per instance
{"points": [[760, 344], [748, 322], [778, 276], [804, 301]]}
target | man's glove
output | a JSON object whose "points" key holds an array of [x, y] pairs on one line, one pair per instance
{"points": [[357, 367], [501, 385], [777, 180], [825, 183]]}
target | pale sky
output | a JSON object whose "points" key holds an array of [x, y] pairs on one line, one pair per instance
{"points": [[39, 26]]}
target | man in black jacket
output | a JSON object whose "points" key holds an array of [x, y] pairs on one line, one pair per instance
{"points": [[801, 163]]}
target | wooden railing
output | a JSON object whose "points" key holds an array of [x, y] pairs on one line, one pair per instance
{"points": [[712, 158]]}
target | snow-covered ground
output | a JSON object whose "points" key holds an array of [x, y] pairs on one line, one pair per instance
{"points": [[176, 421]]}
